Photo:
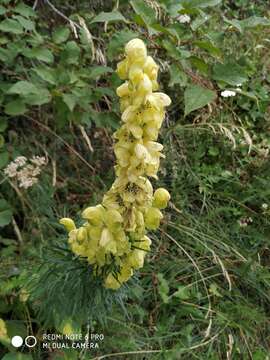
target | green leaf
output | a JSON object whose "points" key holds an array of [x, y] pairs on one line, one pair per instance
{"points": [[26, 24], [70, 100], [97, 71], [42, 96], [3, 10], [144, 11], [3, 124], [5, 213], [11, 26], [201, 3], [182, 293], [24, 10], [108, 16], [71, 53], [61, 35], [197, 97], [200, 64], [177, 76], [46, 73], [23, 88], [41, 54], [208, 46], [4, 158], [254, 21], [231, 73], [16, 107], [163, 288]]}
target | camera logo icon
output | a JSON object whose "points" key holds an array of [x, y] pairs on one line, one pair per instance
{"points": [[30, 341]]}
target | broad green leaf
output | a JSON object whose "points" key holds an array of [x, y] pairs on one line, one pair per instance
{"points": [[71, 53], [61, 35], [182, 293], [16, 107], [254, 21], [70, 100], [144, 11], [197, 97], [26, 24], [41, 54], [118, 40], [3, 10], [5, 212], [200, 64], [177, 76], [108, 16], [208, 46], [200, 3], [11, 26], [98, 71], [3, 124], [23, 88], [42, 96], [4, 158], [231, 73], [24, 10], [46, 73]]}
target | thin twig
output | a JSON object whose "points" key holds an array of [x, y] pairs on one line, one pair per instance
{"points": [[58, 12], [35, 4], [17, 230]]}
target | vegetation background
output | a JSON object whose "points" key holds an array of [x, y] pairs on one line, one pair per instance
{"points": [[204, 292]]}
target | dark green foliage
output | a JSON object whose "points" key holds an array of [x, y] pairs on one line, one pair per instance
{"points": [[64, 286]]}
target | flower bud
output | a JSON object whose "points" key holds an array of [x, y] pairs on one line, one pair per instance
{"points": [[94, 214], [161, 198], [68, 224], [152, 218], [81, 234], [136, 49]]}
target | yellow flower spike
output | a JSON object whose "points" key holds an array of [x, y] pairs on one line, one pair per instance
{"points": [[68, 224], [114, 234], [161, 198]]}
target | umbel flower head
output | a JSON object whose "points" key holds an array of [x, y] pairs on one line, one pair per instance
{"points": [[113, 238]]}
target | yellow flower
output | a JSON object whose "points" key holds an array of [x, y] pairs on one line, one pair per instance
{"points": [[3, 330], [94, 214], [161, 198], [152, 218], [111, 282], [68, 223], [136, 50]]}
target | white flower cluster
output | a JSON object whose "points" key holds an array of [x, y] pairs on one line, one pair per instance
{"points": [[184, 19], [228, 93], [25, 171]]}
